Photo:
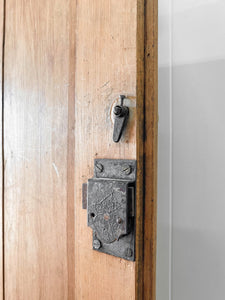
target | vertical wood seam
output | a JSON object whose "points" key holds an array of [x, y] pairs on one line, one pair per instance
{"points": [[150, 147], [3, 157], [147, 119], [140, 44], [71, 155]]}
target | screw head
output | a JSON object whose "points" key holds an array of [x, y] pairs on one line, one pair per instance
{"points": [[99, 167], [117, 110], [128, 252], [96, 244], [127, 169], [119, 221]]}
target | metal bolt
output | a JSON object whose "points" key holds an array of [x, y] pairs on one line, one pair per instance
{"points": [[96, 244], [119, 221], [128, 252], [99, 167], [127, 169], [117, 110], [122, 97]]}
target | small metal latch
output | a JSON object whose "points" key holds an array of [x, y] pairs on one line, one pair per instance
{"points": [[111, 206], [121, 116]]}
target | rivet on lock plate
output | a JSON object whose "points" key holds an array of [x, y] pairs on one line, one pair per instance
{"points": [[110, 201]]}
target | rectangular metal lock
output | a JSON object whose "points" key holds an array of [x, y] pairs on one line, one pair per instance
{"points": [[111, 207]]}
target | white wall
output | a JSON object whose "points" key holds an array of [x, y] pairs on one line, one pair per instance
{"points": [[191, 180]]}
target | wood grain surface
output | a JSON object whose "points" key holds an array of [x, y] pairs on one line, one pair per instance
{"points": [[105, 68], [65, 65], [39, 101], [140, 117], [147, 132], [150, 147], [1, 148]]}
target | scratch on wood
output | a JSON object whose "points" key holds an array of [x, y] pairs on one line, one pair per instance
{"points": [[56, 169], [106, 83]]}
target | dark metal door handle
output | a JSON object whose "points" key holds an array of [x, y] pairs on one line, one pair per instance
{"points": [[121, 113]]}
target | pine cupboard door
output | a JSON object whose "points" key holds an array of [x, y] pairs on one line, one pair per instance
{"points": [[64, 64], [1, 148]]}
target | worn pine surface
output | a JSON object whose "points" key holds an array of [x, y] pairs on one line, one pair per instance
{"points": [[140, 44], [38, 159], [1, 167], [66, 63], [150, 147], [105, 68]]}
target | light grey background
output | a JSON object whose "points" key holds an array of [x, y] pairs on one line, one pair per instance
{"points": [[191, 161]]}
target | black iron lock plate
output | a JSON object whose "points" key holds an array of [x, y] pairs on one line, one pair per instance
{"points": [[111, 207]]}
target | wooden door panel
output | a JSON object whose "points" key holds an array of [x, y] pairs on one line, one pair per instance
{"points": [[37, 109], [105, 68], [150, 148], [1, 148], [65, 64]]}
